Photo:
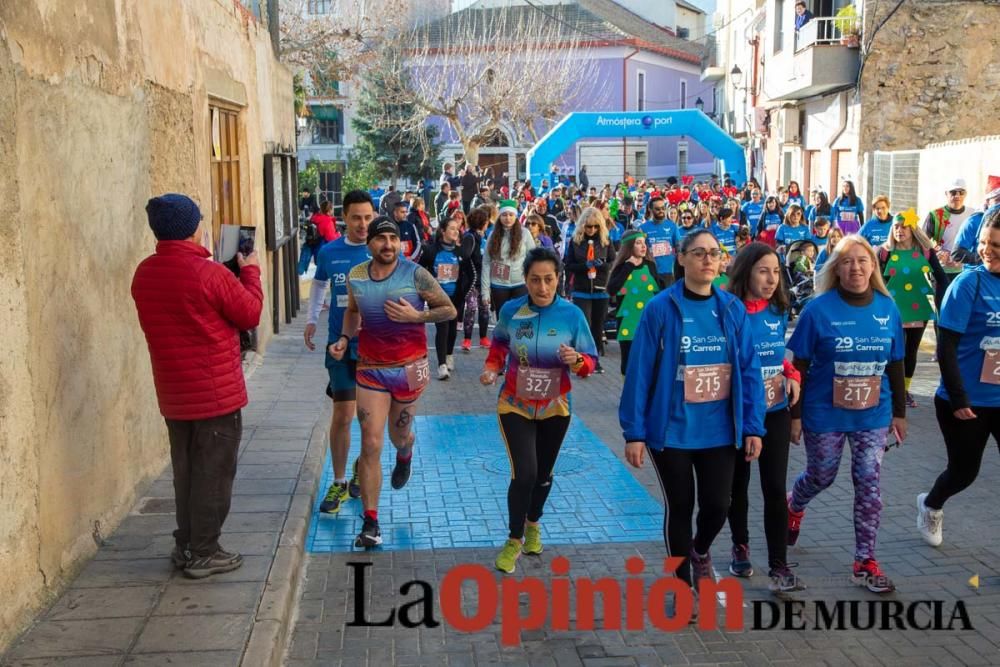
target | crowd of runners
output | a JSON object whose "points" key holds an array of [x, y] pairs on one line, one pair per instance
{"points": [[700, 284]]}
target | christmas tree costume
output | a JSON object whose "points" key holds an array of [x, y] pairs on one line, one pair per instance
{"points": [[639, 288], [907, 279]]}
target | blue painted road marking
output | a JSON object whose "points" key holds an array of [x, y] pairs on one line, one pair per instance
{"points": [[457, 495]]}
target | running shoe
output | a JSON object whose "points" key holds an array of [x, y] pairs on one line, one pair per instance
{"points": [[507, 558], [485, 343], [370, 535], [910, 401], [467, 345], [701, 568], [401, 472], [443, 373], [794, 521], [740, 565], [599, 369], [219, 562], [354, 484], [449, 361], [335, 497], [532, 540], [783, 580], [929, 522], [868, 573]]}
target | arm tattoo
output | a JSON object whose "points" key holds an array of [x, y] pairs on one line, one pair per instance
{"points": [[441, 309], [404, 418]]}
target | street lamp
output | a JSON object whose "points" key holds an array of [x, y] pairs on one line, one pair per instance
{"points": [[736, 74]]}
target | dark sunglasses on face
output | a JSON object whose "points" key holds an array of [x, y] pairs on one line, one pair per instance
{"points": [[591, 226], [955, 193]]}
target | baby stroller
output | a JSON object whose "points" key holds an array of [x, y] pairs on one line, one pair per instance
{"points": [[800, 274]]}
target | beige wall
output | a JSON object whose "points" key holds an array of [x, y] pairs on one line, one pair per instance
{"points": [[931, 75], [100, 108]]}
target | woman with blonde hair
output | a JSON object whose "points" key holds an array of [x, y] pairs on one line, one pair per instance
{"points": [[913, 275], [848, 348], [588, 263]]}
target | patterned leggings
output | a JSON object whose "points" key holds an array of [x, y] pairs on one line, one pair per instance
{"points": [[823, 452], [475, 307]]}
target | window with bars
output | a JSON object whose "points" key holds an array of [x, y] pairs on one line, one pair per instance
{"points": [[640, 91], [320, 6], [226, 164], [682, 158], [897, 176], [684, 95], [326, 132]]}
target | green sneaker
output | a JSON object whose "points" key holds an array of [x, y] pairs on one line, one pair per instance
{"points": [[508, 556], [353, 485], [335, 497], [532, 539]]}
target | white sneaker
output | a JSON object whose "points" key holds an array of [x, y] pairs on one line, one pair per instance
{"points": [[929, 522], [449, 361], [443, 373]]}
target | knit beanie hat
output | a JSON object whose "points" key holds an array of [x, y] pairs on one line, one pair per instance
{"points": [[508, 206], [173, 217]]}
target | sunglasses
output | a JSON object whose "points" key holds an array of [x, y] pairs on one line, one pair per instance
{"points": [[955, 193], [686, 217], [591, 226]]}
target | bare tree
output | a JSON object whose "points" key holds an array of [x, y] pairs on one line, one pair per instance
{"points": [[334, 40], [509, 69]]}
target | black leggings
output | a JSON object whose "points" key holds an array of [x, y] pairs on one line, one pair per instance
{"points": [[501, 295], [595, 311], [445, 334], [532, 445], [677, 470], [965, 440], [773, 464], [912, 338], [624, 346]]}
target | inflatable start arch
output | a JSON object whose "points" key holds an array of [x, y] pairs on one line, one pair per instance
{"points": [[585, 125]]}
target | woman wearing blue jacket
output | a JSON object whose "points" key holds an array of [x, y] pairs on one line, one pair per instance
{"points": [[694, 398]]}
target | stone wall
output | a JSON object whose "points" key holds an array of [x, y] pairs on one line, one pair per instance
{"points": [[101, 106], [931, 74]]}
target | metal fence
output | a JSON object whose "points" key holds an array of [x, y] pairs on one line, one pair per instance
{"points": [[897, 175]]}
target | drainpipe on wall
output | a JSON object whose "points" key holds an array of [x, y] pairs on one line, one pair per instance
{"points": [[625, 108]]}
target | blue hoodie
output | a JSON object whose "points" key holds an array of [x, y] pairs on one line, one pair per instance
{"points": [[652, 369]]}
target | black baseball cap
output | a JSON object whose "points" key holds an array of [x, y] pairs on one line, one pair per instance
{"points": [[382, 225]]}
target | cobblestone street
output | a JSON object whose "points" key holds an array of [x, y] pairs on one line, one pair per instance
{"points": [[128, 607]]}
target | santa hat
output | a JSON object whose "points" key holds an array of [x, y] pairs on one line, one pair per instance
{"points": [[993, 187]]}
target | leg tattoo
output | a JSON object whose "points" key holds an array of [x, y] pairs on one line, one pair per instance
{"points": [[362, 415], [404, 418]]}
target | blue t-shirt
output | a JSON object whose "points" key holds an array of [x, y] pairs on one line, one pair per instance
{"points": [[971, 307], [334, 263], [769, 222], [845, 216], [876, 231], [446, 269], [844, 341], [787, 234], [820, 241], [726, 237], [768, 329], [797, 199], [703, 341], [751, 210], [661, 239], [683, 231]]}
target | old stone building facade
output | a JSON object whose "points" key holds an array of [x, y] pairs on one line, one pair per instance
{"points": [[102, 105]]}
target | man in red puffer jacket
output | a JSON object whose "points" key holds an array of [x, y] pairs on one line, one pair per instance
{"points": [[191, 310]]}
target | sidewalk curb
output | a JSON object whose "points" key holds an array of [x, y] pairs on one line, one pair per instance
{"points": [[274, 618]]}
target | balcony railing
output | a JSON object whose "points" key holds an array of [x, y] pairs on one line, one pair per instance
{"points": [[828, 30]]}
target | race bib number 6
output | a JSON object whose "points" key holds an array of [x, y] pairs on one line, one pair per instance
{"points": [[774, 390]]}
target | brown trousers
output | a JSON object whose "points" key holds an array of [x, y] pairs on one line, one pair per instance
{"points": [[203, 453]]}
